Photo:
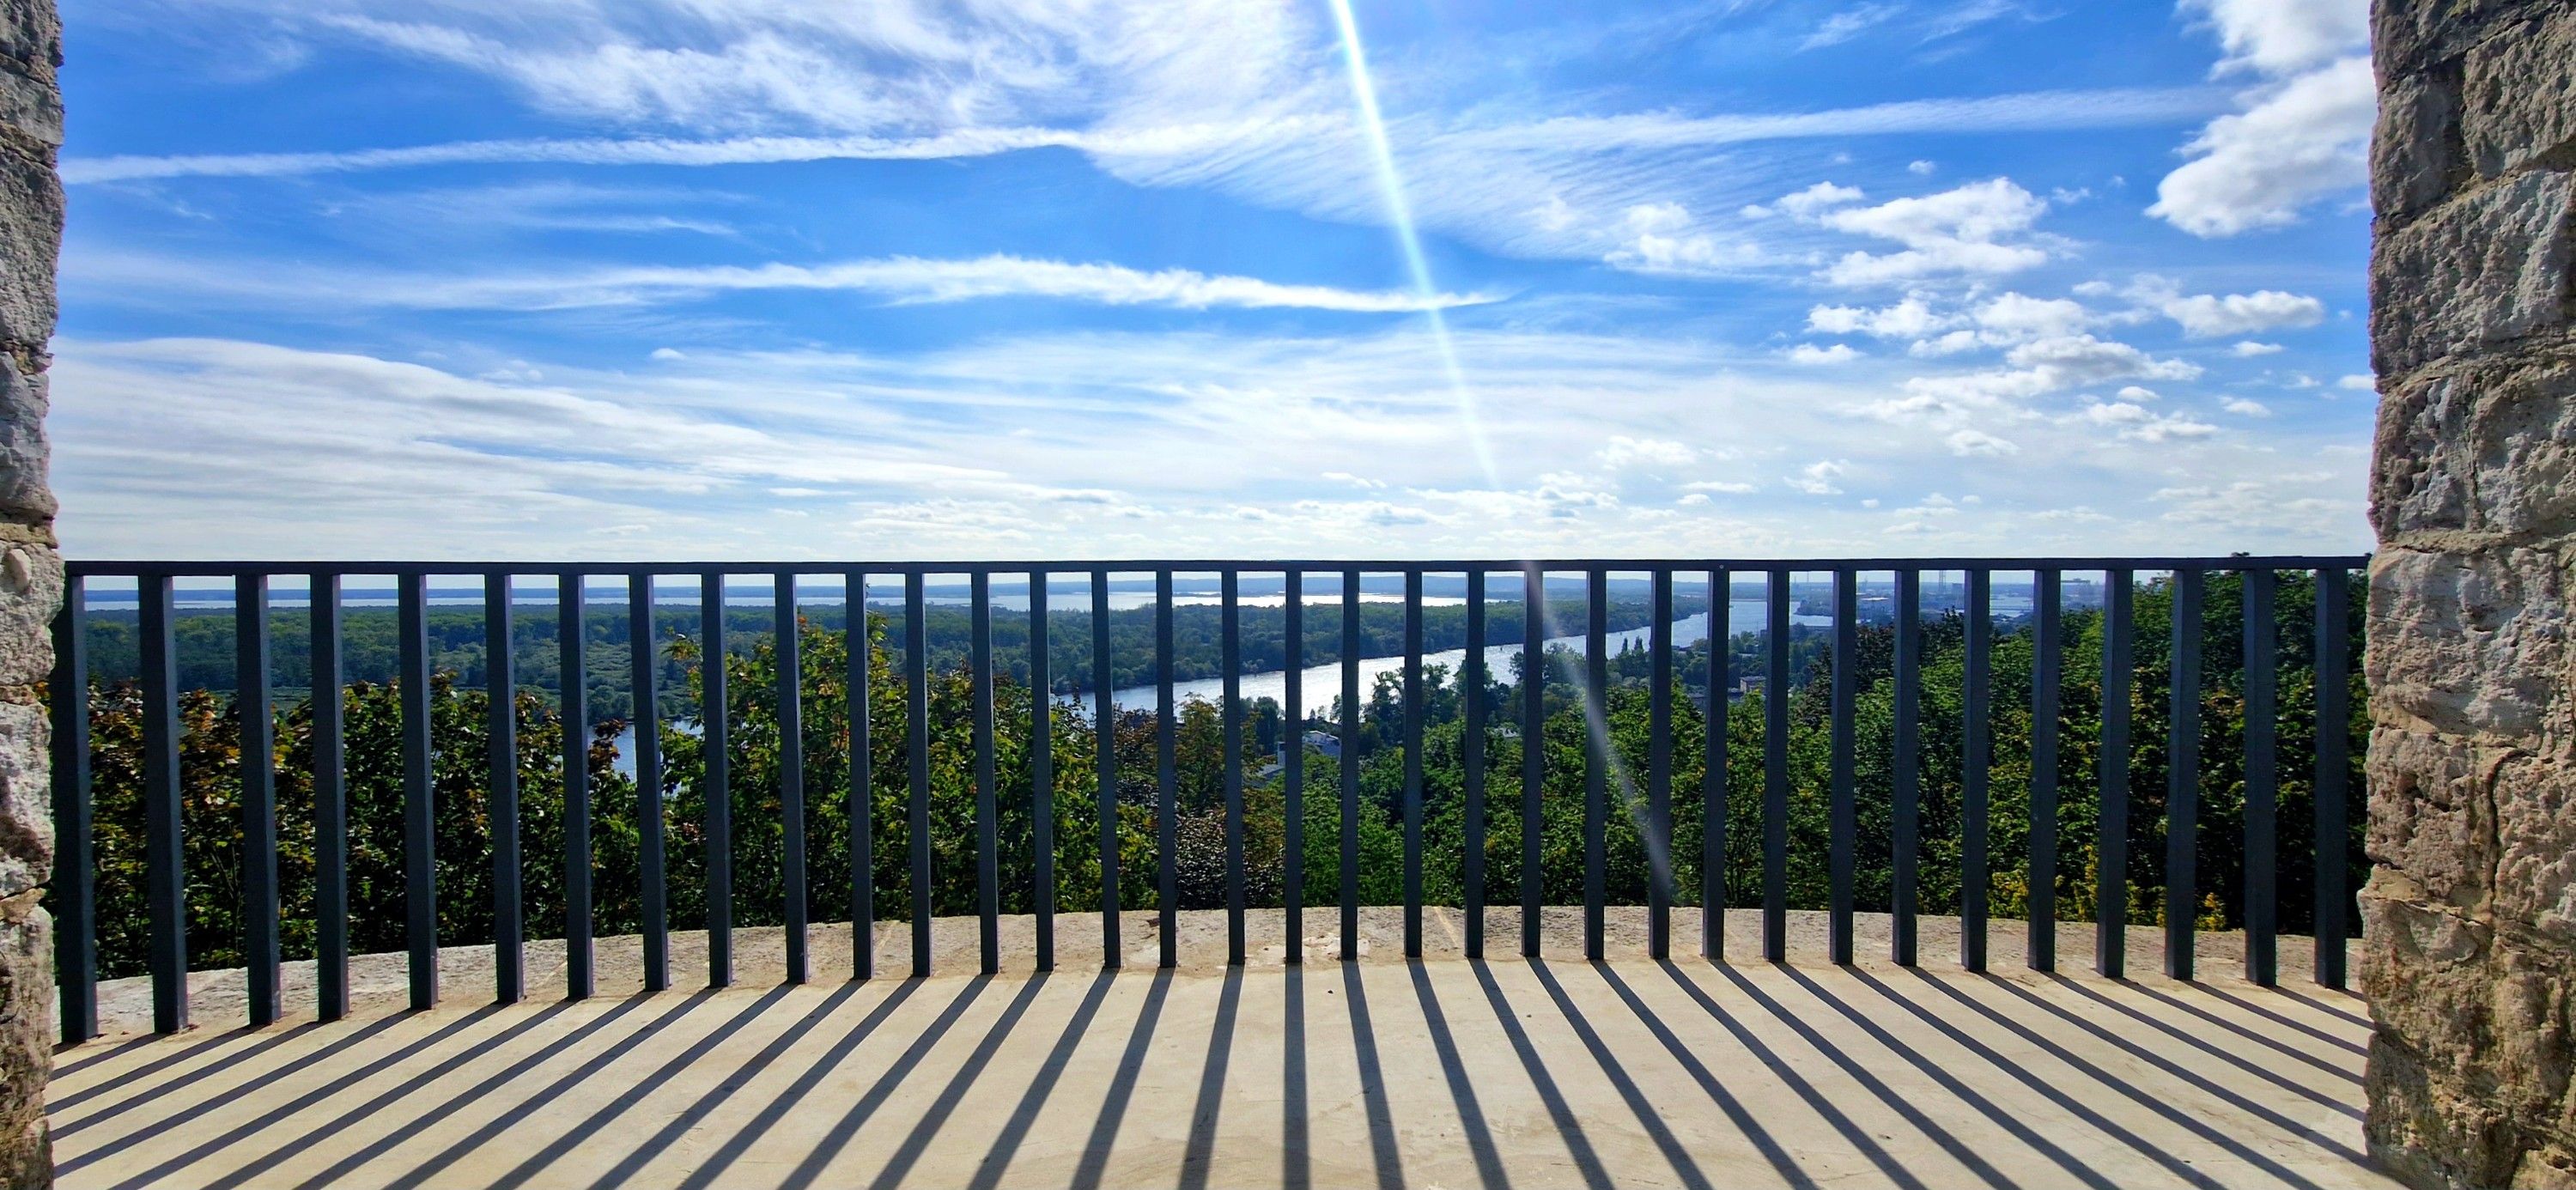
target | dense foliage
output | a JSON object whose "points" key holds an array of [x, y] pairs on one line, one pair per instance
{"points": [[213, 829]]}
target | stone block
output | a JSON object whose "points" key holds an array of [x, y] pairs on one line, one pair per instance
{"points": [[2489, 267], [2518, 95], [2430, 819], [2535, 847], [2415, 155], [31, 591], [31, 236], [2485, 447], [2470, 645], [26, 1041], [2410, 36], [25, 495], [26, 799]]}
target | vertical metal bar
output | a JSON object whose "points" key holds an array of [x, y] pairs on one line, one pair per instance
{"points": [[916, 673], [1533, 754], [1471, 687], [1907, 774], [2047, 676], [1350, 765], [166, 887], [988, 871], [501, 728], [420, 819], [2119, 676], [1042, 769], [714, 722], [2334, 761], [330, 808], [1292, 757], [2182, 778], [1975, 810], [1167, 780], [645, 654], [1596, 761], [1230, 717], [861, 795], [1413, 764], [572, 631], [1659, 769], [2262, 847], [791, 770], [1842, 825], [1713, 784], [1104, 749], [1775, 772], [258, 797], [75, 891]]}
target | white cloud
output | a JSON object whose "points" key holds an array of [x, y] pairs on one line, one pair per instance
{"points": [[1817, 478], [2249, 349], [1848, 24], [1978, 443], [2359, 383], [2284, 36], [1810, 354], [1921, 169], [2210, 316], [2134, 393], [1661, 240], [2035, 369], [2296, 142], [1971, 230], [1624, 452], [2243, 407], [2014, 318], [1907, 319], [2134, 423], [1722, 487]]}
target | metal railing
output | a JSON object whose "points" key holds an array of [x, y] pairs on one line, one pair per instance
{"points": [[156, 585]]}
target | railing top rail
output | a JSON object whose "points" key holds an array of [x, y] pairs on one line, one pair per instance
{"points": [[86, 568]]}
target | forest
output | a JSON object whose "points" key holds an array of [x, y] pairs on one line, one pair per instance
{"points": [[213, 827]]}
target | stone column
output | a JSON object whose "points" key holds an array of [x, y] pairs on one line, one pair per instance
{"points": [[2470, 914], [31, 221]]}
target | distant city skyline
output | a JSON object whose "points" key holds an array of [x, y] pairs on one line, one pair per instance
{"points": [[1216, 278]]}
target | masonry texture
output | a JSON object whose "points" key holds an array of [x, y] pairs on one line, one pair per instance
{"points": [[31, 221], [2470, 914]]}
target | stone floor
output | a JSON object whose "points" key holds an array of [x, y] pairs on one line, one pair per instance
{"points": [[1439, 1073]]}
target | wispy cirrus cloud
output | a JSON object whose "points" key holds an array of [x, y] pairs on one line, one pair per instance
{"points": [[900, 279]]}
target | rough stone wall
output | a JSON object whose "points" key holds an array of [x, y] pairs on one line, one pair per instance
{"points": [[2470, 913], [31, 218]]}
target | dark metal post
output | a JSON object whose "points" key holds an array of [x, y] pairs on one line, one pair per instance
{"points": [[1596, 762], [1413, 764], [1350, 766], [1775, 770], [916, 673], [501, 727], [258, 797], [1659, 768], [2262, 854], [572, 630], [861, 795], [420, 819], [646, 657], [714, 721], [1906, 775], [2182, 778], [1292, 759], [1842, 818], [1104, 727], [1042, 769], [1230, 720], [988, 872], [1471, 688], [2119, 669], [2334, 762], [1167, 778], [165, 884], [1975, 875], [2047, 676], [1713, 794], [1533, 754], [75, 892], [783, 622], [330, 808]]}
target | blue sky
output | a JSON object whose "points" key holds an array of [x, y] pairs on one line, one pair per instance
{"points": [[615, 279]]}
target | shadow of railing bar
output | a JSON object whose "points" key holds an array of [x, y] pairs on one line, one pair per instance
{"points": [[927, 1128], [2287, 1022], [1381, 1118], [1201, 1150], [1586, 1160], [810, 1170], [2202, 1082], [2008, 1121], [679, 1125], [1462, 1088], [2222, 1053], [1754, 1133], [1620, 1080], [1024, 1116], [193, 1075], [1122, 1086]]}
